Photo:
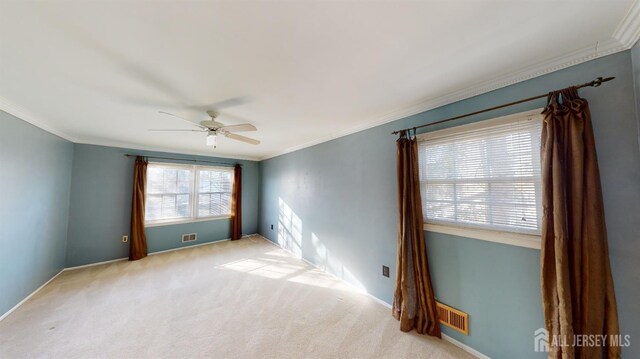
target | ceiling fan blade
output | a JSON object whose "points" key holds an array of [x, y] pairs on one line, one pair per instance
{"points": [[173, 130], [239, 128], [233, 136], [183, 119]]}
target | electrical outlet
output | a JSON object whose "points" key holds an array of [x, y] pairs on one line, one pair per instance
{"points": [[272, 227], [125, 239], [385, 271]]}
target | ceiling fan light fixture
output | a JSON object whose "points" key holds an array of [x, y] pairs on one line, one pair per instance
{"points": [[211, 139]]}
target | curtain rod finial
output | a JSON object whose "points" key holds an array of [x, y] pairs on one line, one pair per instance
{"points": [[598, 81]]}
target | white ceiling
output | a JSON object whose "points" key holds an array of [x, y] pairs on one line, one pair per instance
{"points": [[303, 72]]}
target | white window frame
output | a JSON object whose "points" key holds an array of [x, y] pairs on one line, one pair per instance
{"points": [[193, 195], [497, 236]]}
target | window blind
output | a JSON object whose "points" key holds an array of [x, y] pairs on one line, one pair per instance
{"points": [[184, 192], [485, 175], [214, 192], [168, 192]]}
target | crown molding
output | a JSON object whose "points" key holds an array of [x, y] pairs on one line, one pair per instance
{"points": [[628, 31], [131, 146], [24, 115], [624, 37], [585, 54]]}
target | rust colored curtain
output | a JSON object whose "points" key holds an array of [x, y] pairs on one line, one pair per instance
{"points": [[138, 240], [236, 204], [577, 286], [414, 303]]}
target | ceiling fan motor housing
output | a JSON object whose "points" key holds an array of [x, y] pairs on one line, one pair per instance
{"points": [[213, 125]]}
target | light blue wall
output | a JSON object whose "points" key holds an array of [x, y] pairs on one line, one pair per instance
{"points": [[101, 206], [344, 194], [35, 176]]}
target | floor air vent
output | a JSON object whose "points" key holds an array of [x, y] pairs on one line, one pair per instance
{"points": [[453, 318], [189, 237]]}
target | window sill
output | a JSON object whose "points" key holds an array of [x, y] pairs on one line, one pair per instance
{"points": [[514, 239], [184, 221]]}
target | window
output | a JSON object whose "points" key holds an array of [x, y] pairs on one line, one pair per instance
{"points": [[214, 192], [180, 193], [484, 175]]}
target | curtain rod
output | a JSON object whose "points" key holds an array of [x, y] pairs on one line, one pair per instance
{"points": [[595, 83], [186, 159]]}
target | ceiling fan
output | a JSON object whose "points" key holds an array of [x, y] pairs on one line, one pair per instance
{"points": [[214, 128]]}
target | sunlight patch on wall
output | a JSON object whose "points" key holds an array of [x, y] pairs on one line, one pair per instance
{"points": [[320, 254], [323, 259], [289, 229]]}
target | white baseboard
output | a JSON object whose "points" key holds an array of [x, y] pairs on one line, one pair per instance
{"points": [[462, 346], [376, 299], [189, 246], [359, 290], [152, 253], [95, 264], [107, 262], [29, 296]]}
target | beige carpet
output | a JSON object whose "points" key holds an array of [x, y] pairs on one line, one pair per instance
{"points": [[243, 299]]}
